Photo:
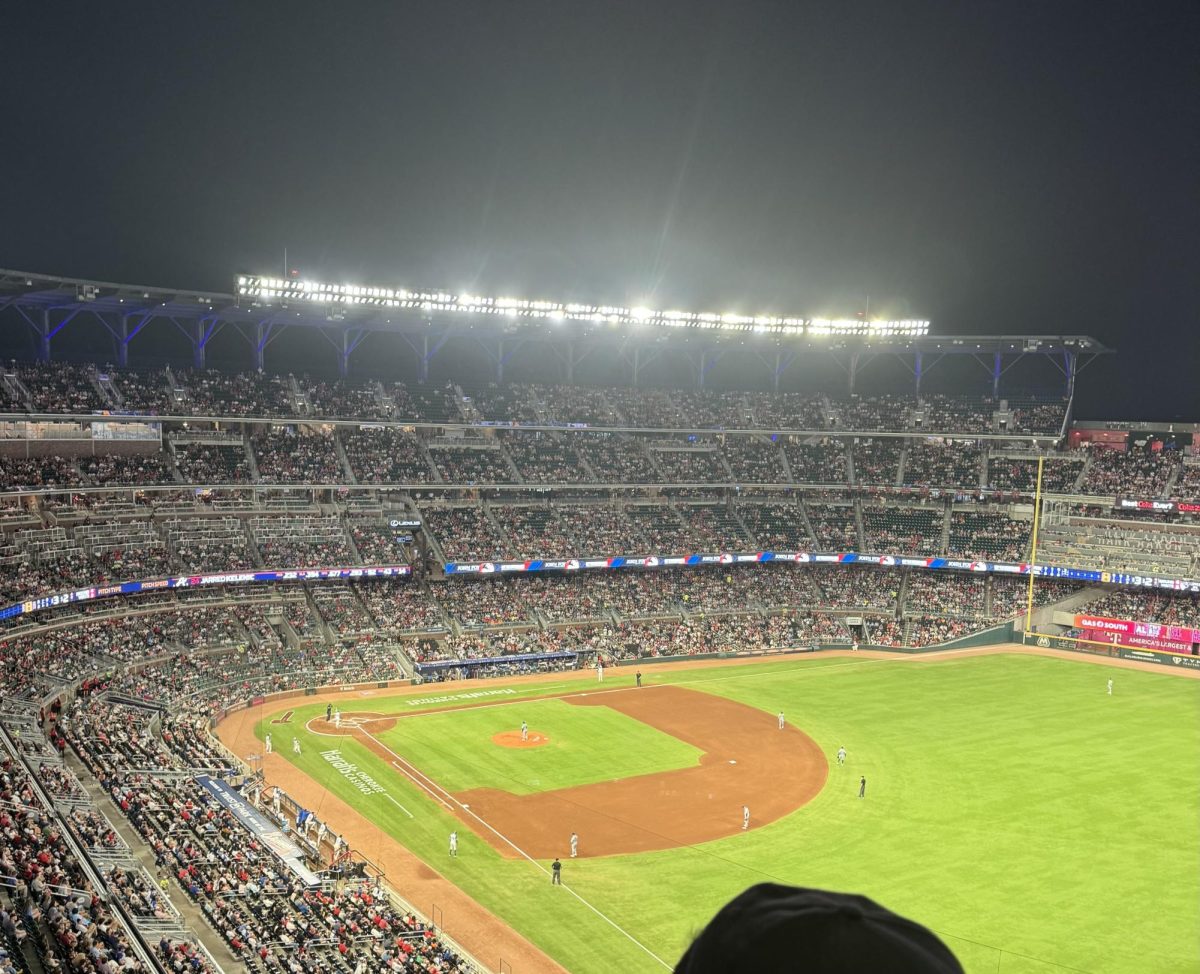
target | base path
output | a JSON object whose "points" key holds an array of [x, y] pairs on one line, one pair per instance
{"points": [[747, 760]]}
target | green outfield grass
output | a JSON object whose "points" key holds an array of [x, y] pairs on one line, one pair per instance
{"points": [[1012, 806], [587, 744]]}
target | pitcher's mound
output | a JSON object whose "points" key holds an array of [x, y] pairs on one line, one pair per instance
{"points": [[513, 739]]}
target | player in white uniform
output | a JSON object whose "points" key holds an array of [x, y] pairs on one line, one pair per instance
{"points": [[1110, 688], [574, 845], [599, 670], [842, 755], [745, 817], [337, 719], [781, 721], [268, 744], [454, 844], [295, 745], [524, 731]]}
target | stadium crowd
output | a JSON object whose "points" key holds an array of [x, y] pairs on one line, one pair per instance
{"points": [[74, 389]]}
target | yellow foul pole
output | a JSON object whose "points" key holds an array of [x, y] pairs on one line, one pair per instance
{"points": [[1037, 516]]}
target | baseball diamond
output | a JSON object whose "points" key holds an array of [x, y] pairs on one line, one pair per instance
{"points": [[979, 774]]}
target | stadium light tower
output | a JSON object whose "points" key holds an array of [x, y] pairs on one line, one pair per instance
{"points": [[267, 291]]}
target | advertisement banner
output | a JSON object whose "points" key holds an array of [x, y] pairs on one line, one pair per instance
{"points": [[700, 559], [1146, 635], [1168, 507], [1148, 656], [341, 573]]}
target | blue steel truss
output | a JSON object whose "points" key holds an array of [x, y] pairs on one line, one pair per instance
{"points": [[47, 304]]}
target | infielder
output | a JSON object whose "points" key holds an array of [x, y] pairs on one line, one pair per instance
{"points": [[599, 670], [842, 754], [454, 844], [337, 719], [862, 787], [295, 745], [524, 731], [574, 845], [781, 720], [267, 744], [745, 817]]}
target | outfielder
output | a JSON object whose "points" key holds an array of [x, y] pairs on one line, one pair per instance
{"points": [[1110, 688], [454, 844]]}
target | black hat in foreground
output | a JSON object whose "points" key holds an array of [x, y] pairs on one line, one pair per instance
{"points": [[772, 928]]}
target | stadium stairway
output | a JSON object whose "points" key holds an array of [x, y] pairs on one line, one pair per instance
{"points": [[812, 535], [511, 464], [251, 462], [787, 467], [588, 469], [423, 449], [648, 455], [1083, 473], [195, 920], [347, 469], [742, 526], [1169, 488]]}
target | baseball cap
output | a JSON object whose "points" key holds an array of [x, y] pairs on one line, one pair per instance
{"points": [[771, 927]]}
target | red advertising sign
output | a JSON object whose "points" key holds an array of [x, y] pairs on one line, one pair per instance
{"points": [[1144, 635]]}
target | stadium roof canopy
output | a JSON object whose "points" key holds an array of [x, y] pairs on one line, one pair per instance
{"points": [[263, 308]]}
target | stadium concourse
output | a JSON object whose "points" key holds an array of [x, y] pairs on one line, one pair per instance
{"points": [[122, 831]]}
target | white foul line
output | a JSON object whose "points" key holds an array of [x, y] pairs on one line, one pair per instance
{"points": [[504, 838], [397, 804], [399, 767]]}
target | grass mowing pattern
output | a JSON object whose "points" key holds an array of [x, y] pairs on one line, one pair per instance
{"points": [[587, 744], [1011, 805]]}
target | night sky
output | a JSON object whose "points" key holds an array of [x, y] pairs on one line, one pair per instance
{"points": [[994, 167]]}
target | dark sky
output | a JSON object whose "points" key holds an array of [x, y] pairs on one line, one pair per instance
{"points": [[995, 167]]}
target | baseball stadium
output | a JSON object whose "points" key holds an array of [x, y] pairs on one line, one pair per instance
{"points": [[350, 628]]}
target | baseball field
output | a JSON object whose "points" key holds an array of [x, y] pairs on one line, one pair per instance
{"points": [[1034, 821]]}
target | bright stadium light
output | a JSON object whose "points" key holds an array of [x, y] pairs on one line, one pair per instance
{"points": [[274, 290]]}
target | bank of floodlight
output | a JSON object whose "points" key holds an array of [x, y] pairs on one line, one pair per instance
{"points": [[276, 290]]}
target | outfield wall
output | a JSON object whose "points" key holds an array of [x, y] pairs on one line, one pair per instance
{"points": [[1093, 648]]}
